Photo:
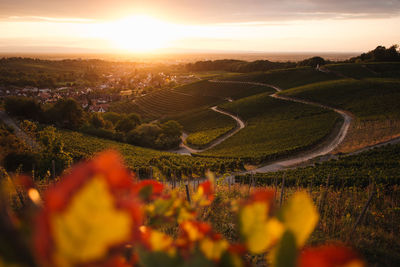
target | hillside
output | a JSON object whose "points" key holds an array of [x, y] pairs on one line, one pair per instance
{"points": [[270, 128], [286, 78], [373, 101]]}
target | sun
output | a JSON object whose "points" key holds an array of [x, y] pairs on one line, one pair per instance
{"points": [[139, 33]]}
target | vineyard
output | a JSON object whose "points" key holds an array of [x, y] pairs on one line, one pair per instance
{"points": [[286, 78], [144, 161], [185, 98], [380, 165], [360, 71], [202, 138], [163, 103], [222, 90], [275, 128], [204, 126], [373, 101]]}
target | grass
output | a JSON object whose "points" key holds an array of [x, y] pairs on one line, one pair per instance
{"points": [[275, 128], [373, 101], [286, 78]]}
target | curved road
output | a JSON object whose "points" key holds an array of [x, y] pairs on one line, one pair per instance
{"points": [[186, 150], [312, 153]]}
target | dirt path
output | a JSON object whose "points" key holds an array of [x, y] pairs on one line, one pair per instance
{"points": [[186, 150], [17, 131], [294, 160]]}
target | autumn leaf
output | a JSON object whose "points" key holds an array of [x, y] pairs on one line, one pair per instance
{"points": [[258, 230], [91, 211], [204, 194], [329, 256], [300, 216]]}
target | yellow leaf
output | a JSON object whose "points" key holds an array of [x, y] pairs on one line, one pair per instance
{"points": [[300, 216], [193, 232], [161, 242], [259, 231], [89, 226], [213, 250]]}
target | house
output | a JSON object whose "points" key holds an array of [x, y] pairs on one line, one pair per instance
{"points": [[99, 108]]}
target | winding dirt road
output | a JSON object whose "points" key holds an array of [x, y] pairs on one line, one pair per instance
{"points": [[302, 157], [186, 150]]}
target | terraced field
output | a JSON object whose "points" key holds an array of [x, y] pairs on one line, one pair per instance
{"points": [[275, 128], [286, 78], [167, 102], [140, 159], [373, 101], [366, 70], [204, 126], [223, 91], [164, 103]]}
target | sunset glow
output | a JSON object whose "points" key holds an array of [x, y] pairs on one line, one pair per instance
{"points": [[138, 33], [223, 26]]}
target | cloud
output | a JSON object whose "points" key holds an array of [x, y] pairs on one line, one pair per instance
{"points": [[205, 11], [50, 19]]}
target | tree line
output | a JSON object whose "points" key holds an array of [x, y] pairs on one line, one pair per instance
{"points": [[68, 114]]}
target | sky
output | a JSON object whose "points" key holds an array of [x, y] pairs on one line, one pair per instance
{"points": [[134, 26]]}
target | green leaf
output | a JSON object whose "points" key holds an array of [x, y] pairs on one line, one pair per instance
{"points": [[286, 251]]}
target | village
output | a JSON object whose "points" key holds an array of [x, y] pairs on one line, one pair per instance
{"points": [[98, 97]]}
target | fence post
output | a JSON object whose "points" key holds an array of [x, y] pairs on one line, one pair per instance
{"points": [[187, 192], [282, 191], [361, 216]]}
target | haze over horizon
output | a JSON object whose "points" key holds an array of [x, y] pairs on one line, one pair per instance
{"points": [[124, 26]]}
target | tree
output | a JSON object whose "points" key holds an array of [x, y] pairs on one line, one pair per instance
{"points": [[172, 128], [312, 62], [128, 123], [144, 135], [67, 113], [23, 107], [52, 149], [112, 117], [97, 120]]}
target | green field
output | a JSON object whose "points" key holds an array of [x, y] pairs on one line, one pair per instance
{"points": [[286, 78], [366, 70], [379, 165], [373, 101], [203, 138], [367, 99], [165, 103], [222, 90], [275, 128], [204, 126], [182, 99], [83, 146]]}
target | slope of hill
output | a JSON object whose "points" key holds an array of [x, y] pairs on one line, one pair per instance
{"points": [[373, 101], [286, 78], [222, 90], [275, 128]]}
